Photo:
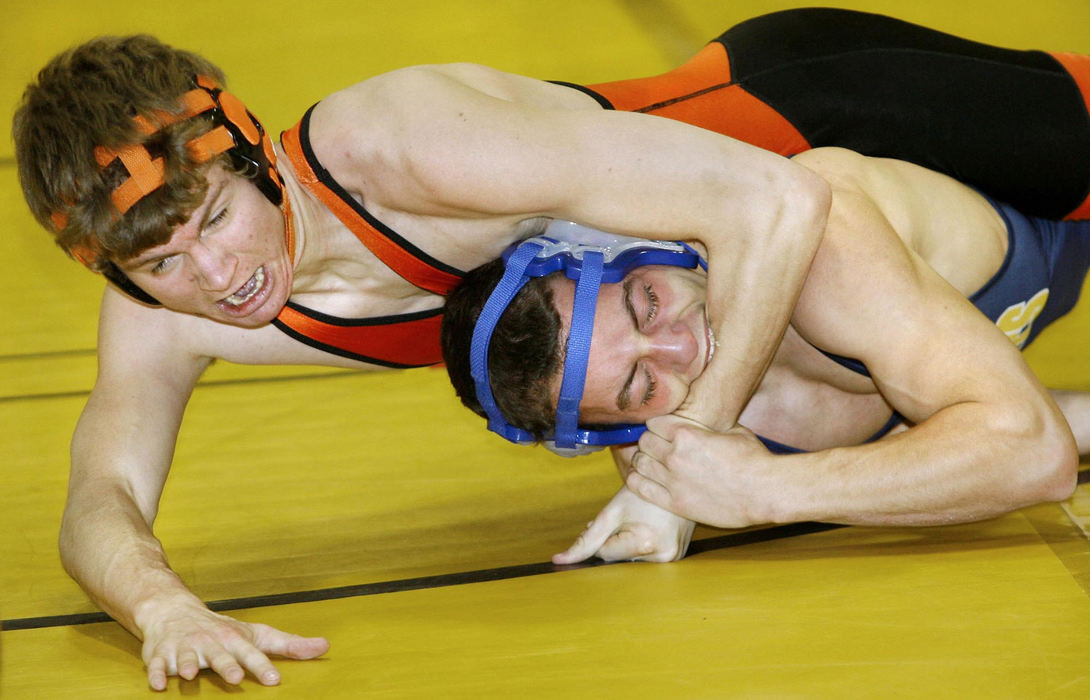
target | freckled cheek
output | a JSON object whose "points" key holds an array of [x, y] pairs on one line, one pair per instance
{"points": [[249, 240]]}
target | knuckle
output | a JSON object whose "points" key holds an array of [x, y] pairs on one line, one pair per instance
{"points": [[686, 436], [231, 636]]}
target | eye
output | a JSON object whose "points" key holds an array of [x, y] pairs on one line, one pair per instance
{"points": [[162, 265], [650, 392], [220, 216], [652, 302]]}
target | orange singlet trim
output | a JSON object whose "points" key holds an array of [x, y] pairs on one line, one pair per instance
{"points": [[415, 270], [1078, 67], [406, 341], [289, 225], [398, 341], [708, 68], [403, 340], [701, 92], [391, 340]]}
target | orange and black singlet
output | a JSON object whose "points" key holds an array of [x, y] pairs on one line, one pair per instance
{"points": [[1014, 124], [399, 341]]}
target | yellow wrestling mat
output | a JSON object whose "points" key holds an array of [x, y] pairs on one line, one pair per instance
{"points": [[375, 511]]}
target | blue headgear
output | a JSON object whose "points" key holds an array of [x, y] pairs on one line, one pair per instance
{"points": [[589, 257]]}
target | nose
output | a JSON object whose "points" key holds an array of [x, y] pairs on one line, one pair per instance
{"points": [[215, 268], [671, 345]]}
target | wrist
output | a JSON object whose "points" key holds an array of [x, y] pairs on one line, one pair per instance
{"points": [[786, 499], [165, 594]]}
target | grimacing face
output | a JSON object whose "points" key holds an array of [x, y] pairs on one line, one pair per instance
{"points": [[229, 262], [651, 341]]}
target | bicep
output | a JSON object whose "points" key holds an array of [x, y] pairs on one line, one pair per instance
{"points": [[455, 150], [124, 441]]}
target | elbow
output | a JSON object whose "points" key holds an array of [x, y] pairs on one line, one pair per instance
{"points": [[1050, 459], [65, 543], [807, 199], [814, 195], [1061, 473]]}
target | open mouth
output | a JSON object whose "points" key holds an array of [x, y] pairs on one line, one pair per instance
{"points": [[247, 291]]}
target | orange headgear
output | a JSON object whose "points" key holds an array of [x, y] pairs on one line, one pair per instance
{"points": [[235, 131]]}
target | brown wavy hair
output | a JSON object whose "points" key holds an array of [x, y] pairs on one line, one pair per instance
{"points": [[87, 97]]}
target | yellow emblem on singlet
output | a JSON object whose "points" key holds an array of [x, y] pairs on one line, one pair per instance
{"points": [[1017, 320]]}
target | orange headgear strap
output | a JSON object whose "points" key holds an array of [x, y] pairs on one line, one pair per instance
{"points": [[87, 253], [146, 174]]}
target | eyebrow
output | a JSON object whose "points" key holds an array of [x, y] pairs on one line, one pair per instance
{"points": [[136, 263], [211, 200], [623, 396]]}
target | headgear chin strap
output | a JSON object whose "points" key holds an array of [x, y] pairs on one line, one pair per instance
{"points": [[589, 257], [234, 131]]}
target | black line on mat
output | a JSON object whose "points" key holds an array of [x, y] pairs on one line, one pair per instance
{"points": [[735, 539], [202, 384], [47, 354]]}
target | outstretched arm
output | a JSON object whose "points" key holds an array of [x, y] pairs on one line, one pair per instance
{"points": [[987, 437], [121, 453]]}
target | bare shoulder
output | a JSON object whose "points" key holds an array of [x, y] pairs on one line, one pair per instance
{"points": [[412, 116], [951, 226], [881, 178], [445, 86], [884, 179], [832, 160], [847, 171]]}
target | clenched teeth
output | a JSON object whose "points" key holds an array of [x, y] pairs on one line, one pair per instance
{"points": [[246, 292]]}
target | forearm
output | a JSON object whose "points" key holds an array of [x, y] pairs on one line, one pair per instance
{"points": [[968, 462], [753, 286], [109, 549], [121, 454], [107, 545]]}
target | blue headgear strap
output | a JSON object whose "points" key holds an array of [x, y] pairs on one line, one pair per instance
{"points": [[514, 279], [589, 269], [578, 352]]}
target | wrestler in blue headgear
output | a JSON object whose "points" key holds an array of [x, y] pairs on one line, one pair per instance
{"points": [[590, 258]]}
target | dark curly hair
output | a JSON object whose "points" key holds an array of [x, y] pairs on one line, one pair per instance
{"points": [[525, 353]]}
